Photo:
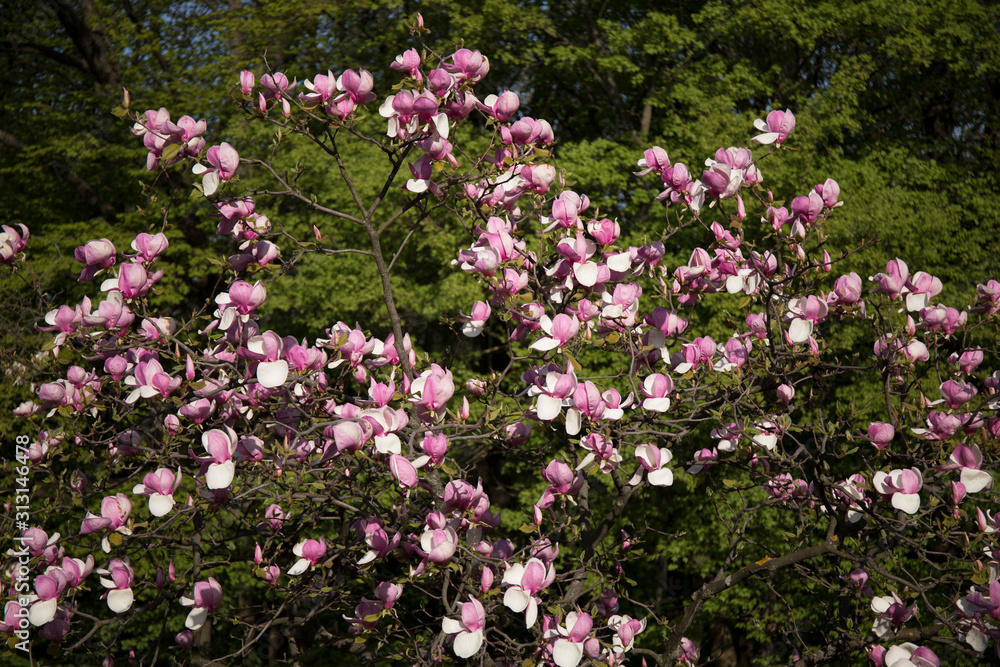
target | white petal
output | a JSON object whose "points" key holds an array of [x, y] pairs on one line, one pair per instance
{"points": [[899, 652], [472, 329], [441, 125], [656, 404], [976, 639], [417, 185], [210, 184], [531, 614], [220, 475], [272, 374], [515, 599], [976, 480], [573, 424], [548, 408], [41, 613], [587, 460], [120, 600], [450, 626], [917, 301], [661, 477], [620, 262], [388, 444], [301, 565], [800, 330], [160, 505], [545, 344], [566, 653], [908, 502], [467, 644], [196, 618], [766, 138], [586, 273], [765, 440]]}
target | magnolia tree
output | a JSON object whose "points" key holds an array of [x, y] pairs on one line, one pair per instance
{"points": [[238, 495]]}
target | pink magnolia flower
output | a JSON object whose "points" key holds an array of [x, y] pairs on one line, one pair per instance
{"points": [[846, 289], [277, 85], [538, 177], [95, 255], [910, 655], [12, 243], [562, 480], [698, 352], [689, 653], [469, 631], [475, 322], [150, 380], [600, 449], [987, 295], [568, 647], [969, 359], [656, 388], [902, 487], [652, 460], [625, 628], [468, 65], [409, 62], [160, 487], [653, 159], [310, 553], [439, 544], [560, 330], [806, 209], [891, 611], [207, 598], [525, 581], [829, 190], [969, 459], [920, 289], [404, 472], [247, 81], [881, 434], [553, 390], [804, 315], [777, 128], [587, 402], [114, 515], [957, 393], [118, 579], [379, 544], [275, 517], [893, 281], [224, 160], [432, 391], [944, 318], [219, 468], [150, 247], [45, 600], [239, 302], [502, 107], [940, 426]]}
